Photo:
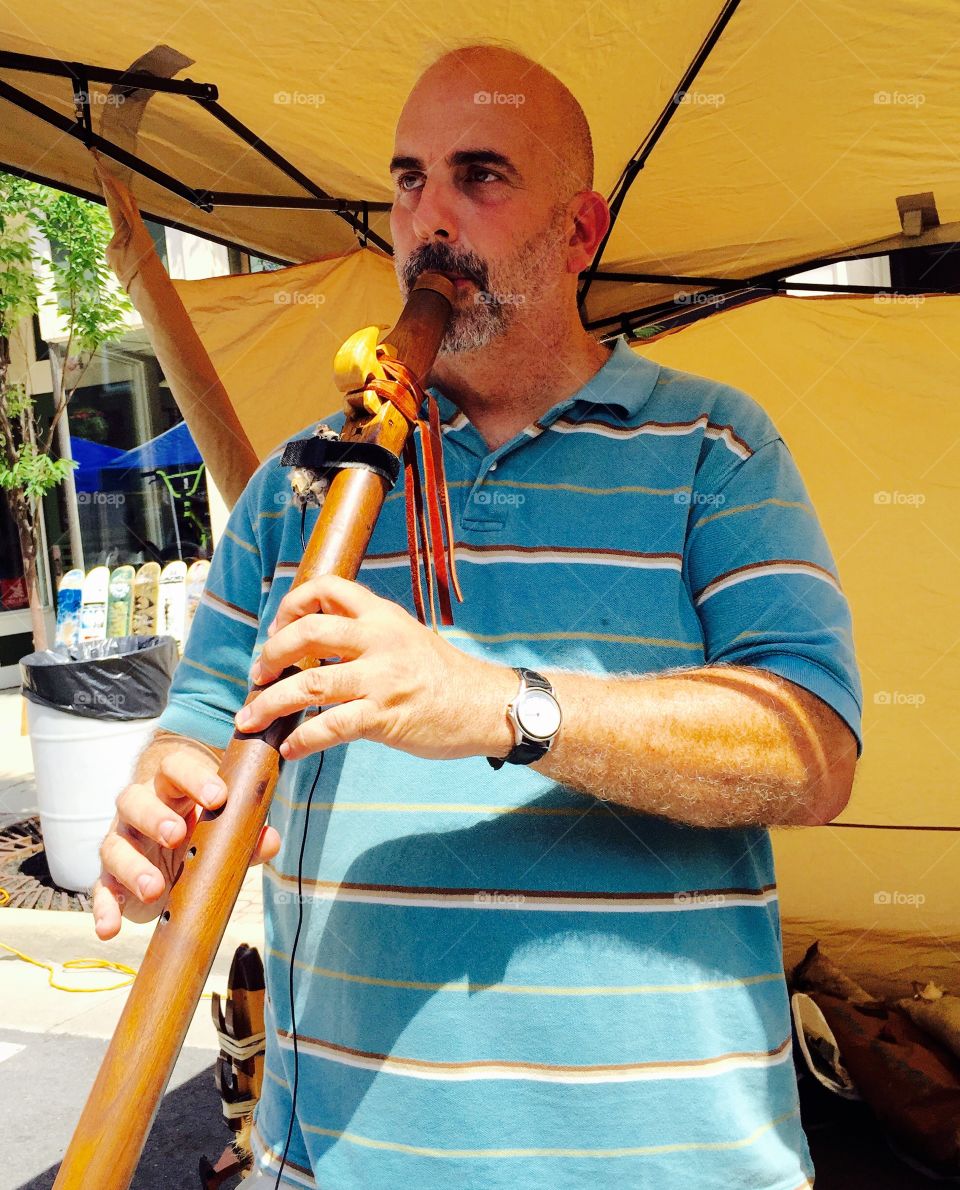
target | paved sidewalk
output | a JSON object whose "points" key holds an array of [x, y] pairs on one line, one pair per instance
{"points": [[18, 790], [51, 1041]]}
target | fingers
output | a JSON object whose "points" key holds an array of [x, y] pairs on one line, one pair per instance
{"points": [[268, 845], [338, 725], [108, 898], [317, 686], [159, 819], [126, 863], [149, 834], [310, 635], [187, 774], [162, 810], [329, 594], [112, 900], [153, 819]]}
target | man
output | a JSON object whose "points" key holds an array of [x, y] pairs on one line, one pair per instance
{"points": [[564, 971]]}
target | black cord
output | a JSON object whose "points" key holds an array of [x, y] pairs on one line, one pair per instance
{"points": [[293, 956]]}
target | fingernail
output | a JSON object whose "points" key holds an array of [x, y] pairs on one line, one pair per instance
{"points": [[211, 793], [255, 671], [144, 883], [272, 628], [243, 716], [168, 832]]}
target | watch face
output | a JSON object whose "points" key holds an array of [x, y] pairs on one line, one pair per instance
{"points": [[538, 714]]}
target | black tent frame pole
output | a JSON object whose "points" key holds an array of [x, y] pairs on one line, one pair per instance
{"points": [[78, 130], [715, 292], [706, 304], [672, 279], [711, 301], [165, 220], [128, 80], [250, 138], [639, 159], [353, 211]]}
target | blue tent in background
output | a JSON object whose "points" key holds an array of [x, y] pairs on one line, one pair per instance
{"points": [[172, 450], [91, 458], [172, 459]]}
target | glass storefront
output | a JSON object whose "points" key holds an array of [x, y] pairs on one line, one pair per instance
{"points": [[141, 490]]}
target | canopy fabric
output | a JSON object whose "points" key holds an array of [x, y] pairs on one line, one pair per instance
{"points": [[193, 379], [273, 336], [802, 128], [866, 394]]}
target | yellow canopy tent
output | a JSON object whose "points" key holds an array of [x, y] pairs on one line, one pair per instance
{"points": [[866, 394], [743, 138], [740, 142]]}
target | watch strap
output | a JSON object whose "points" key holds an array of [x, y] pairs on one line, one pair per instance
{"points": [[531, 679], [519, 754], [528, 750]]}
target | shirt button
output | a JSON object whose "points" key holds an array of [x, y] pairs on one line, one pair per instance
{"points": [[493, 466]]}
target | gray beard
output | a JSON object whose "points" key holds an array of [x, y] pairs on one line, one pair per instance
{"points": [[476, 327]]}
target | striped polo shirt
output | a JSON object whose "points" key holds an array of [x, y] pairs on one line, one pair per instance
{"points": [[501, 981]]}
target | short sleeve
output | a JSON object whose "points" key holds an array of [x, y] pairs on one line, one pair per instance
{"points": [[211, 681], [764, 583]]}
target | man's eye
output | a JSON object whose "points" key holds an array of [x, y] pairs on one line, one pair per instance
{"points": [[479, 174], [403, 179]]}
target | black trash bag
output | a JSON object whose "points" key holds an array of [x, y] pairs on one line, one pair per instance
{"points": [[126, 677]]}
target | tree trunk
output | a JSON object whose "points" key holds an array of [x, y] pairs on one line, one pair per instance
{"points": [[25, 518]]}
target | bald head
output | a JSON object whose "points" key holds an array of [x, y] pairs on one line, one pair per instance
{"points": [[521, 89], [493, 182]]}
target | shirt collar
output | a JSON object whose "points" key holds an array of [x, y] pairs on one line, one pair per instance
{"points": [[623, 384]]}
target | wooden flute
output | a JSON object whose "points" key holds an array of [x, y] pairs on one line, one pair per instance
{"points": [[113, 1127]]}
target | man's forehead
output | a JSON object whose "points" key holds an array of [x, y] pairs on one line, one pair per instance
{"points": [[490, 101], [456, 137]]}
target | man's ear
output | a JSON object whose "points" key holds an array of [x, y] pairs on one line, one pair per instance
{"points": [[591, 219]]}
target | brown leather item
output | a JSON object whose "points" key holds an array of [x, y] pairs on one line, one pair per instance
{"points": [[911, 1083], [434, 540]]}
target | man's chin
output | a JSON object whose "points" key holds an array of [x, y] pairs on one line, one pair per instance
{"points": [[463, 339]]}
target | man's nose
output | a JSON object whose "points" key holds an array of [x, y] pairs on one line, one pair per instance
{"points": [[434, 216]]}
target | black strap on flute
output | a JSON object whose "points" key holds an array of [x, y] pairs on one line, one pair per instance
{"points": [[328, 455]]}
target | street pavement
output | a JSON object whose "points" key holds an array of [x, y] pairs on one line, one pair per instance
{"points": [[51, 1041], [18, 790]]}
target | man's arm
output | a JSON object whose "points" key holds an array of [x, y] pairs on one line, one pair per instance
{"points": [[720, 746]]}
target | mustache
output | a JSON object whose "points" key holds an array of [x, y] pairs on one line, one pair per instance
{"points": [[443, 259]]}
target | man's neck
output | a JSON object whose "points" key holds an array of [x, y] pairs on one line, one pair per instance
{"points": [[504, 387]]}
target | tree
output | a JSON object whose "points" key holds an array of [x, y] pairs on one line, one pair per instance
{"points": [[92, 307]]}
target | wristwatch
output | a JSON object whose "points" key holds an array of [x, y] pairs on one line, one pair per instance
{"points": [[535, 715]]}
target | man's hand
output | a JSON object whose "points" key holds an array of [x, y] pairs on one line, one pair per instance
{"points": [[396, 682], [175, 781]]}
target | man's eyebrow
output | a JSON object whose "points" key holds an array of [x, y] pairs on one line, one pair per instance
{"points": [[485, 157], [463, 157], [397, 163]]}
